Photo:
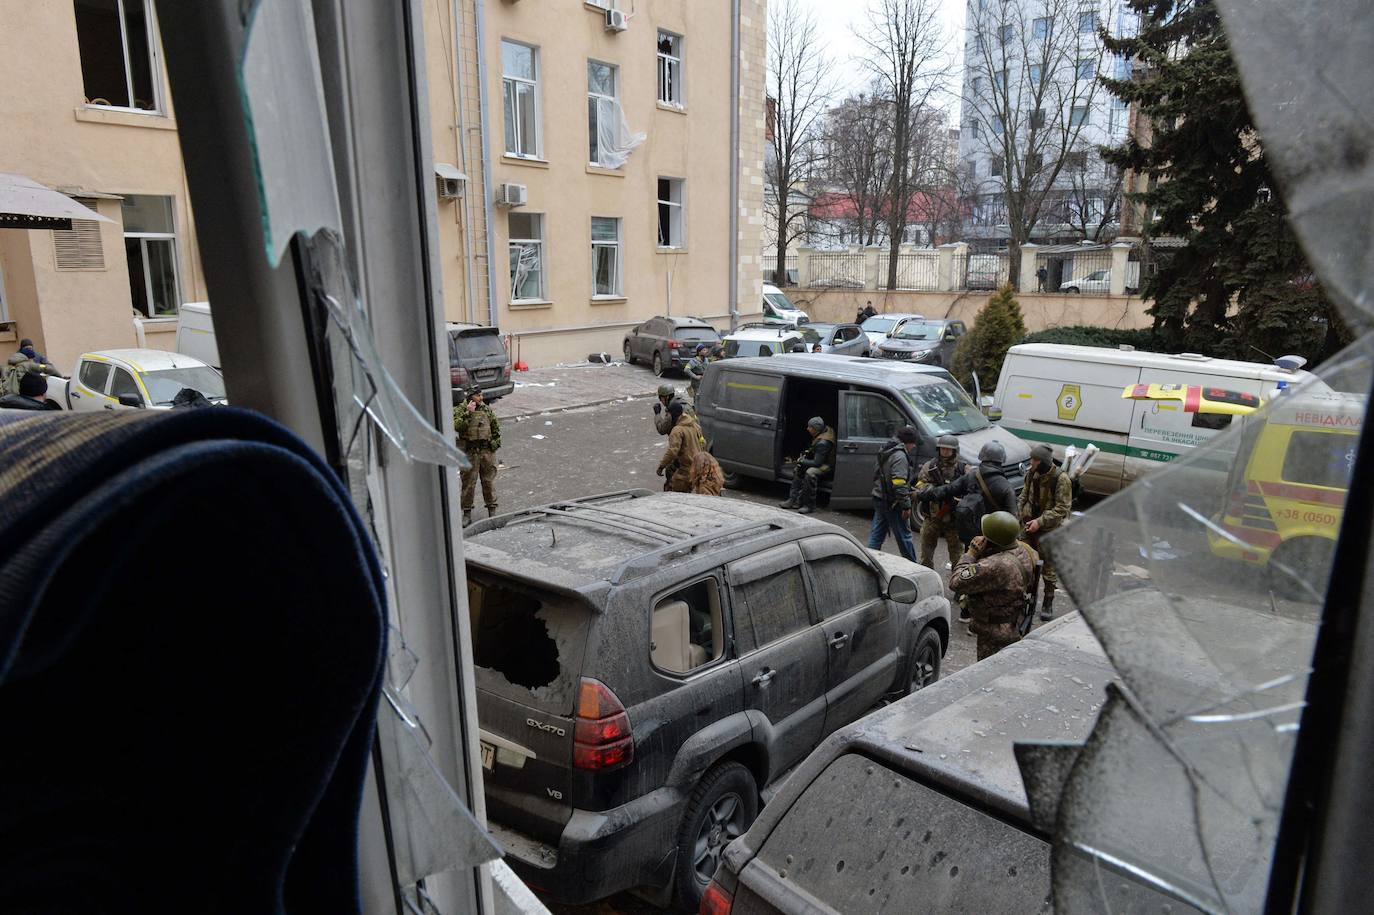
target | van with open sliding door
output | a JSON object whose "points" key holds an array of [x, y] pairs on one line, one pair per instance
{"points": [[754, 414], [1072, 395]]}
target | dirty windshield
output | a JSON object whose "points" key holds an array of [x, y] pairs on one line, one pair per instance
{"points": [[879, 324], [915, 330], [163, 386], [944, 407]]}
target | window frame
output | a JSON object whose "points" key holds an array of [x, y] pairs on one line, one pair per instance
{"points": [[680, 186], [739, 592], [1088, 17], [667, 62], [115, 371], [159, 108], [1040, 28], [618, 246], [593, 138], [1088, 64], [507, 79], [1080, 120], [171, 239], [540, 244]]}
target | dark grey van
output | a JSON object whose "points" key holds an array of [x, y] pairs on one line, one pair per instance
{"points": [[754, 414], [648, 664]]}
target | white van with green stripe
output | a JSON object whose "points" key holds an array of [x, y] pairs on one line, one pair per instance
{"points": [[1071, 395]]}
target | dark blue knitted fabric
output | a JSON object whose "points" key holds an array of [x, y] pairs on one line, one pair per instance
{"points": [[192, 632]]}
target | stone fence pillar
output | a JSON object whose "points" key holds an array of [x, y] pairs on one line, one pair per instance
{"points": [[803, 266], [945, 278], [1116, 280], [1027, 281]]}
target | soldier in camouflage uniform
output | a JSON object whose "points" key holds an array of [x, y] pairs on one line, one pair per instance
{"points": [[479, 435], [684, 441], [1045, 503], [667, 396], [816, 463], [995, 574], [696, 370], [944, 468]]}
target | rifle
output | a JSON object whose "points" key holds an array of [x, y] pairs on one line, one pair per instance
{"points": [[1023, 623]]}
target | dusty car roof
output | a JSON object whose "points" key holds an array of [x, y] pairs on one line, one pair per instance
{"points": [[583, 544], [840, 368], [148, 360], [960, 731]]}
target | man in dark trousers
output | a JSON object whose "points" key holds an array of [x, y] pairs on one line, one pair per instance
{"points": [[815, 464], [892, 493], [1040, 276], [944, 468], [1046, 500]]}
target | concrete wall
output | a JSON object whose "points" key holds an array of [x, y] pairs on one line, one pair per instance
{"points": [[691, 144], [1041, 311], [53, 137]]}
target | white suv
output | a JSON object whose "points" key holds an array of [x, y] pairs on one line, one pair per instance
{"points": [[760, 340]]}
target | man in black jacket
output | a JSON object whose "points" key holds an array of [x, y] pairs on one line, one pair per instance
{"points": [[892, 493], [983, 490]]}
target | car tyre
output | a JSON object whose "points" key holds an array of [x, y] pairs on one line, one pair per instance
{"points": [[629, 359], [1308, 557], [731, 480], [658, 364], [925, 660], [1071, 290], [722, 807]]}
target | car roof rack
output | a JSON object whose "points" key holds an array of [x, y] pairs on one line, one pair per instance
{"points": [[492, 524], [647, 562]]}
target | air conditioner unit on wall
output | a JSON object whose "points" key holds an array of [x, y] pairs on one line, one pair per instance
{"points": [[616, 21], [512, 195]]}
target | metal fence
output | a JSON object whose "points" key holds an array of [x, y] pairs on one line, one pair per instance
{"points": [[981, 271], [917, 270], [836, 270], [770, 269]]}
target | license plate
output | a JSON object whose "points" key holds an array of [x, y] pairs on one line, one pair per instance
{"points": [[486, 374], [488, 757]]}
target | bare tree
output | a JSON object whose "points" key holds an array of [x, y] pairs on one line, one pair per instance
{"points": [[906, 58], [858, 159], [1030, 88], [799, 87], [1092, 201]]}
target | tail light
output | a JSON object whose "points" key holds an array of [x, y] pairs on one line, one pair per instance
{"points": [[716, 900], [505, 371], [673, 344], [601, 730], [458, 376]]}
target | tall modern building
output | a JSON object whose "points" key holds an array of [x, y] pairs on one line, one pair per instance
{"points": [[1033, 116]]}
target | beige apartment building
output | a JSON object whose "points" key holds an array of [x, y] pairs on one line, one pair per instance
{"points": [[602, 195], [86, 111]]}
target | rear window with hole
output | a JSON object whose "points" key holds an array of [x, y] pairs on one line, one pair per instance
{"points": [[527, 645]]}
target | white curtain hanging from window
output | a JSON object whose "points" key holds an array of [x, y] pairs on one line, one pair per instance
{"points": [[614, 139]]}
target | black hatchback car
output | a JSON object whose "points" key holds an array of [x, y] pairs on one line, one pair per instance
{"points": [[648, 665], [668, 343]]}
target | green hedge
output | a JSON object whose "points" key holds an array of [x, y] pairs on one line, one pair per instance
{"points": [[1087, 335]]}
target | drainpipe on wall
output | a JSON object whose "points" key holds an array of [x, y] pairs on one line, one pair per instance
{"points": [[734, 164], [460, 135], [488, 190]]}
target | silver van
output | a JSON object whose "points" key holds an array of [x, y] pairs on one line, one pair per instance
{"points": [[754, 414]]}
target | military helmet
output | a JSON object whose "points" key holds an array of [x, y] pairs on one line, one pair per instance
{"points": [[666, 390], [947, 441], [471, 391], [993, 452], [1001, 528]]}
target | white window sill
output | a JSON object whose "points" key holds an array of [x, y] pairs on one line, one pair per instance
{"points": [[598, 7], [526, 161], [125, 117], [609, 299], [603, 170], [529, 304], [678, 250], [669, 106]]}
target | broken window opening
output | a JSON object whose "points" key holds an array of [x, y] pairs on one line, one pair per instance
{"points": [[688, 628], [117, 43], [527, 644]]}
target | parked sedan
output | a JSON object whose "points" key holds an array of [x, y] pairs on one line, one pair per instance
{"points": [[667, 343], [880, 327], [130, 379], [931, 342], [839, 339], [1098, 282]]}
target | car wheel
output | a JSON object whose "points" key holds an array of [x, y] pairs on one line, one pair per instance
{"points": [[732, 480], [1072, 290], [721, 808], [658, 365], [925, 660], [629, 359], [1298, 569]]}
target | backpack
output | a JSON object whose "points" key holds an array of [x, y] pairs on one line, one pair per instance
{"points": [[968, 514]]}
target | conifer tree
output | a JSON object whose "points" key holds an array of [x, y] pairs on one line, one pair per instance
{"points": [[997, 328]]}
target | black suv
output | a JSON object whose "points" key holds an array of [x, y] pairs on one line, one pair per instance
{"points": [[667, 343], [648, 664], [477, 356]]}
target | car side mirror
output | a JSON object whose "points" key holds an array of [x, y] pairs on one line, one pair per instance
{"points": [[902, 589], [130, 400]]}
